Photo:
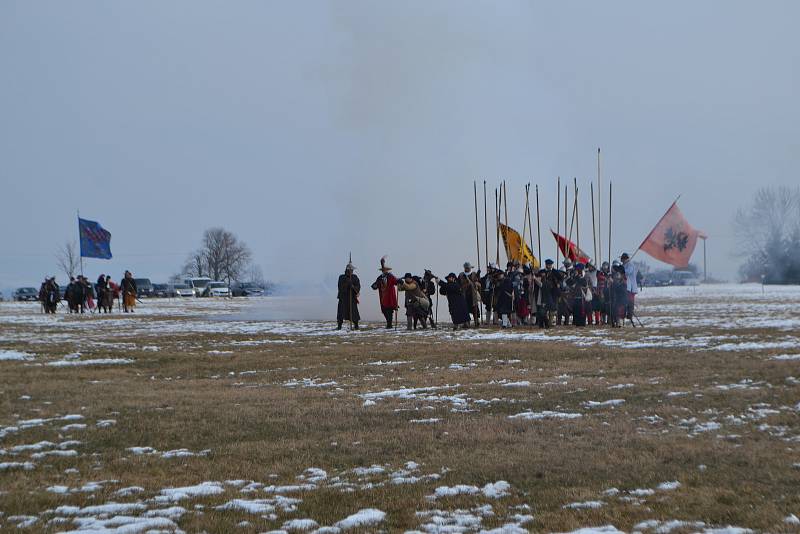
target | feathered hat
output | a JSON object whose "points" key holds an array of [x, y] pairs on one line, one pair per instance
{"points": [[385, 265]]}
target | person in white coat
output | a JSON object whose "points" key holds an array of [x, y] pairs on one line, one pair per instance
{"points": [[630, 283]]}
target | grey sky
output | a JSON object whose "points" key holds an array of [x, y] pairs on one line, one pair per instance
{"points": [[315, 128]]}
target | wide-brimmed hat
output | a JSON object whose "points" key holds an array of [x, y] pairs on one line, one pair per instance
{"points": [[468, 265], [624, 256], [548, 262], [384, 265], [451, 275], [408, 275]]}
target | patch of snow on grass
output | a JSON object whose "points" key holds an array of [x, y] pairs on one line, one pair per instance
{"points": [[362, 518], [97, 361], [13, 355], [536, 416], [187, 492], [584, 505]]}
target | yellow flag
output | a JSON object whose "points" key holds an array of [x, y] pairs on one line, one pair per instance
{"points": [[516, 249]]}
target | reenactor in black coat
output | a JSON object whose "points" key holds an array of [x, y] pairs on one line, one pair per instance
{"points": [[349, 289], [456, 302]]}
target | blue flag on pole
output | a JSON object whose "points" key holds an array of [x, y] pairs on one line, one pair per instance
{"points": [[95, 240]]}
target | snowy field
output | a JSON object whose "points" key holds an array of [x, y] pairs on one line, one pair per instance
{"points": [[197, 415]]}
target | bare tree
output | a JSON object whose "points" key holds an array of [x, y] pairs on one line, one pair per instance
{"points": [[255, 275], [768, 235], [221, 256], [195, 265], [68, 258]]}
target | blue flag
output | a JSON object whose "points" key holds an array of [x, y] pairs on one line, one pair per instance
{"points": [[95, 240]]}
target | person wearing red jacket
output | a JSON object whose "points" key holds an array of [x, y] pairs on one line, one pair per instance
{"points": [[386, 285]]}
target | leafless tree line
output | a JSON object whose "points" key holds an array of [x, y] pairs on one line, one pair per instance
{"points": [[221, 256]]}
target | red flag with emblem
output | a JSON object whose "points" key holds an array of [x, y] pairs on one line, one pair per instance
{"points": [[673, 239], [570, 249]]}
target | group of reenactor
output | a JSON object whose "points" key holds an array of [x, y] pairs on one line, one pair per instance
{"points": [[81, 295], [578, 293]]}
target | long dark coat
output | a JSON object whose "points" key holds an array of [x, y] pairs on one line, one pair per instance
{"points": [[505, 296], [456, 302], [349, 289]]}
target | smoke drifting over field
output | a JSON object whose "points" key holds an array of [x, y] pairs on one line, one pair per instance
{"points": [[312, 131]]}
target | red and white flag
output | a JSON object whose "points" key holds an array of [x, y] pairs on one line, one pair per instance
{"points": [[570, 249], [673, 239]]}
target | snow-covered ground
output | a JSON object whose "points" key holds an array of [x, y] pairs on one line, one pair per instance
{"points": [[745, 317]]}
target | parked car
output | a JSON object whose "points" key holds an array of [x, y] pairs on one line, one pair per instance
{"points": [[658, 279], [685, 278], [217, 289], [162, 291], [182, 290], [246, 289], [144, 287], [198, 284], [26, 294]]}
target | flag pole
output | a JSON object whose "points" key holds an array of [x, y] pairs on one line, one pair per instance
{"points": [[571, 223], [80, 252], [538, 226], [477, 231], [485, 226], [524, 224], [705, 271]]}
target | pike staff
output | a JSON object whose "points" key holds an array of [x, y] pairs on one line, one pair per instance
{"points": [[497, 221], [558, 218], [599, 220], [505, 207], [609, 220], [477, 232], [577, 220], [485, 225], [528, 213], [566, 210], [538, 226], [594, 232]]}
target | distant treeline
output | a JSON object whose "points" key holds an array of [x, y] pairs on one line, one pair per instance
{"points": [[768, 234]]}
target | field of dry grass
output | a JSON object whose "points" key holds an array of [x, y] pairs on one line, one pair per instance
{"points": [[694, 418]]}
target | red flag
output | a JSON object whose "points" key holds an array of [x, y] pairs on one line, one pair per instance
{"points": [[673, 239], [575, 254]]}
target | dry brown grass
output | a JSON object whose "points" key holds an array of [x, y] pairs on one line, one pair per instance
{"points": [[259, 429]]}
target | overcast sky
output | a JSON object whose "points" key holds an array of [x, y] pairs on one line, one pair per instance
{"points": [[312, 129]]}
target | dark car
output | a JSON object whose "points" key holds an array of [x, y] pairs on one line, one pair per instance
{"points": [[162, 291], [26, 294], [144, 287], [246, 289]]}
